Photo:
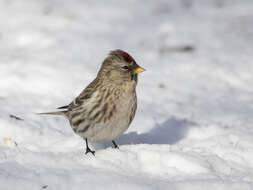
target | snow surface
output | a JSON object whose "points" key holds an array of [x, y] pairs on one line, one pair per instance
{"points": [[193, 128]]}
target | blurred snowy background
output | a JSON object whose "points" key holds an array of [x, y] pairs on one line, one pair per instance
{"points": [[193, 128]]}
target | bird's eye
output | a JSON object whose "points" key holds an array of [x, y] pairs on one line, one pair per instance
{"points": [[125, 67]]}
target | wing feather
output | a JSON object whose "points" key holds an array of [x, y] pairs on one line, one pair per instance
{"points": [[84, 95]]}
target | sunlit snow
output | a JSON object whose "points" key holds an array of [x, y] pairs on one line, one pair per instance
{"points": [[193, 127]]}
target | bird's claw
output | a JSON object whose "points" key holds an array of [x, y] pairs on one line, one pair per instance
{"points": [[89, 150], [115, 145]]}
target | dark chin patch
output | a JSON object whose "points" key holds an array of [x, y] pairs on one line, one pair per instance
{"points": [[133, 77]]}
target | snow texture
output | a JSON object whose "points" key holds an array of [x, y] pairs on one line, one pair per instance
{"points": [[193, 127]]}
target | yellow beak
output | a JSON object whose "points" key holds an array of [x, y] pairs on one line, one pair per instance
{"points": [[138, 70]]}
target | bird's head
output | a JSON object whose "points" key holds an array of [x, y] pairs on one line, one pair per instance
{"points": [[120, 66]]}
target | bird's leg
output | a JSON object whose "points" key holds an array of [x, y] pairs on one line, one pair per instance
{"points": [[115, 145], [88, 149]]}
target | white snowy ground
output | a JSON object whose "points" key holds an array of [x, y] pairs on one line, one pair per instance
{"points": [[193, 128]]}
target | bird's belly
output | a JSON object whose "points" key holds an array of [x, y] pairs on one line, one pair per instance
{"points": [[118, 124], [108, 133]]}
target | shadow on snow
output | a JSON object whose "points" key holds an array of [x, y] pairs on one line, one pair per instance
{"points": [[169, 132]]}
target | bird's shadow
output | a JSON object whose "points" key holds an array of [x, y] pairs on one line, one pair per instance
{"points": [[169, 132]]}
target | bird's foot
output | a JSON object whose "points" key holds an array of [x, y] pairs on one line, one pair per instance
{"points": [[89, 150], [115, 145]]}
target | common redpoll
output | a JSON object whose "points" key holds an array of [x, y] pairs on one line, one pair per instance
{"points": [[106, 107]]}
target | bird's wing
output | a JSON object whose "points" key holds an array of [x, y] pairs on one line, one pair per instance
{"points": [[83, 97]]}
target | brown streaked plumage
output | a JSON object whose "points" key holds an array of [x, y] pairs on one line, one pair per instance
{"points": [[106, 107]]}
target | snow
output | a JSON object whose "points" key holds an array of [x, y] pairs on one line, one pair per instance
{"points": [[193, 128]]}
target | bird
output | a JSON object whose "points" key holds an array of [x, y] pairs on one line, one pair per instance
{"points": [[107, 106]]}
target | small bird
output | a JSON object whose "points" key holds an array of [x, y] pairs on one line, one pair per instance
{"points": [[106, 107]]}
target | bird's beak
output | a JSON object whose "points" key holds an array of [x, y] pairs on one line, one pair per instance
{"points": [[138, 70]]}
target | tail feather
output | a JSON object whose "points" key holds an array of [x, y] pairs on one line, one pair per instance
{"points": [[63, 113], [63, 107]]}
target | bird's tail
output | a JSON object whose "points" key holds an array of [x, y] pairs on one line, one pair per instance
{"points": [[63, 113]]}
